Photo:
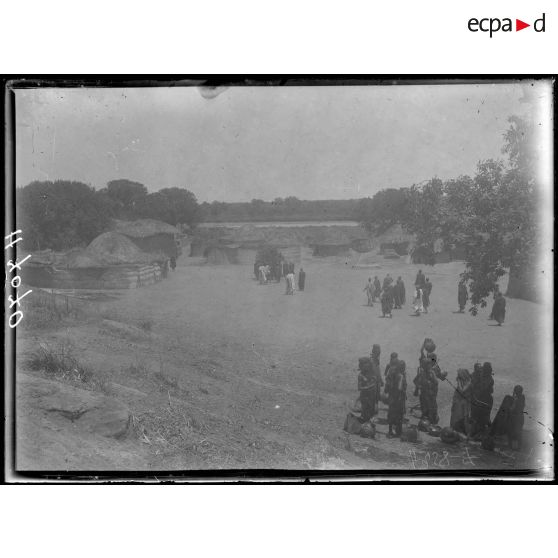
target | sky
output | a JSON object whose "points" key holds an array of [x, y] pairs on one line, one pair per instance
{"points": [[264, 142]]}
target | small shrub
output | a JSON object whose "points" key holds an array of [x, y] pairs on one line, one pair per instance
{"points": [[51, 360], [61, 363]]}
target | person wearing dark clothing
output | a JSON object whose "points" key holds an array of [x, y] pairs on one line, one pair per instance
{"points": [[387, 281], [482, 387], [284, 269], [375, 354], [401, 289], [165, 269], [496, 293], [460, 419], [499, 309], [377, 288], [428, 286], [425, 300], [517, 419], [426, 385], [396, 389], [301, 279], [426, 295], [369, 290], [173, 263], [375, 360], [510, 418], [369, 384], [462, 296], [420, 280], [396, 295], [387, 301], [393, 360]]}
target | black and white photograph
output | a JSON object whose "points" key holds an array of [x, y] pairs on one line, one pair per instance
{"points": [[268, 278]]}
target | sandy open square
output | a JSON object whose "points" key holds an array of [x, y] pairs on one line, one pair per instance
{"points": [[253, 378]]}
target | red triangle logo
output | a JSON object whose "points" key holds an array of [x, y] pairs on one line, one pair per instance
{"points": [[519, 25]]}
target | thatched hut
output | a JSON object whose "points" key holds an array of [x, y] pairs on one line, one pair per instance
{"points": [[150, 235], [111, 248]]}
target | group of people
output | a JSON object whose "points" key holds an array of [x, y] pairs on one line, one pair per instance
{"points": [[472, 400], [266, 273], [390, 294], [370, 383], [289, 274], [290, 278]]}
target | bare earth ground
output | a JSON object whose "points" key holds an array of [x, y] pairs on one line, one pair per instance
{"points": [[234, 374]]}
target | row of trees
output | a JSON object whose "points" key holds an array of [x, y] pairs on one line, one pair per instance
{"points": [[64, 214], [492, 214]]}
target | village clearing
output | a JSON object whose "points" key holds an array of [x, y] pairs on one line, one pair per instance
{"points": [[210, 370]]}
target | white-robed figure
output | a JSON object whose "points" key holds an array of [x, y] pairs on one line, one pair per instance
{"points": [[417, 302], [263, 274], [290, 283]]}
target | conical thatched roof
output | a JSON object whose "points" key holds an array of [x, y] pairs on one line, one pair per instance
{"points": [[110, 248], [142, 228]]}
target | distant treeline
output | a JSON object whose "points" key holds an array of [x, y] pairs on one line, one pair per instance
{"points": [[280, 209]]}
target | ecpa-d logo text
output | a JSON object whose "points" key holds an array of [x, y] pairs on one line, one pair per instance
{"points": [[494, 25]]}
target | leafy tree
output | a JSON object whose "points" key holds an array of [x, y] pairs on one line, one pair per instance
{"points": [[125, 194], [183, 206], [385, 209], [60, 215], [154, 206], [426, 217], [493, 214], [503, 230], [171, 205]]}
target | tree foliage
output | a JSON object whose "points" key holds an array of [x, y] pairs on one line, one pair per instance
{"points": [[171, 205], [61, 214], [65, 214], [385, 209], [125, 193], [426, 219], [493, 215]]}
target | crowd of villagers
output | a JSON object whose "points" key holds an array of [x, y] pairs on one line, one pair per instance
{"points": [[472, 400], [278, 269]]}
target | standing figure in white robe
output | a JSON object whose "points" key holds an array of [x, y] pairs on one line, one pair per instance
{"points": [[417, 302]]}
